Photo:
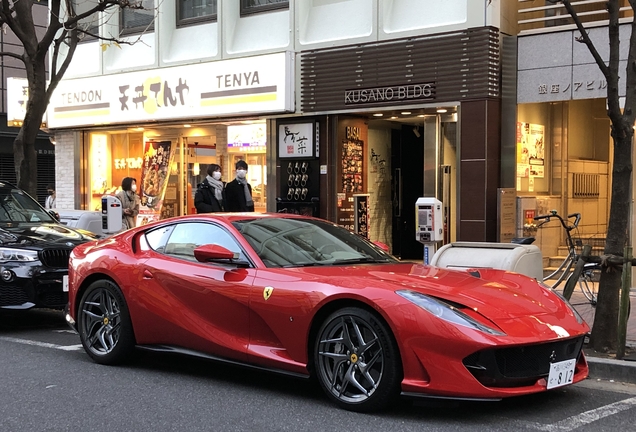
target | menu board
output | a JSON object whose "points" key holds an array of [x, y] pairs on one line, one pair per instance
{"points": [[351, 183], [154, 175], [351, 160]]}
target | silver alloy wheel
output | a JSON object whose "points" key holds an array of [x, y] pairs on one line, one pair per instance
{"points": [[101, 316], [350, 359]]}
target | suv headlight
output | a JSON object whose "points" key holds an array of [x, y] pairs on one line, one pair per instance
{"points": [[17, 255], [446, 312]]}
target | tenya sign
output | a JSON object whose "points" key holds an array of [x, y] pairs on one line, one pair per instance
{"points": [[247, 85]]}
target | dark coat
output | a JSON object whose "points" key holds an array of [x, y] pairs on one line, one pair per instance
{"points": [[235, 197], [205, 201]]}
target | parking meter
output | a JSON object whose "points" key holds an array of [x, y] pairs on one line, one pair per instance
{"points": [[111, 214], [429, 225]]}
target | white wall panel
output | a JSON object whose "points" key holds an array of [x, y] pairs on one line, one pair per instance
{"points": [[140, 53], [257, 33], [198, 42], [87, 60], [402, 18], [321, 23], [193, 43]]}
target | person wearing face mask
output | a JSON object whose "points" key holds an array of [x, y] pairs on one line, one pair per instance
{"points": [[210, 194], [238, 192], [130, 202], [49, 203]]}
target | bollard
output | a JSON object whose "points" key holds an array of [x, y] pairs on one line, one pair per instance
{"points": [[623, 310]]}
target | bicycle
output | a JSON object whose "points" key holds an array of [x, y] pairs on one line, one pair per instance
{"points": [[590, 274]]}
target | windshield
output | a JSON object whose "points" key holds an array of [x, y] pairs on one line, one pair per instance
{"points": [[282, 242], [18, 207]]}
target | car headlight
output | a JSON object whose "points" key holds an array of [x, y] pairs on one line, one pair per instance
{"points": [[579, 318], [446, 312], [17, 255]]}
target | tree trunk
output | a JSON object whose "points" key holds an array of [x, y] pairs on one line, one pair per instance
{"points": [[25, 156], [604, 330]]}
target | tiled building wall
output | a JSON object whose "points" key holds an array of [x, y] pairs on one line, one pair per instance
{"points": [[65, 167]]}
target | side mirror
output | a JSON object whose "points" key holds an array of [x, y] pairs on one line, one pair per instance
{"points": [[210, 252], [55, 215], [382, 246]]}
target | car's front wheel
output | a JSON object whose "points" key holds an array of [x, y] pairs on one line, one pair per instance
{"points": [[357, 360], [104, 323]]}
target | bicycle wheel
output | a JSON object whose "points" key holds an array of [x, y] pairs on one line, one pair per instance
{"points": [[588, 283]]}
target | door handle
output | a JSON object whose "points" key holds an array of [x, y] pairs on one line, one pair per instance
{"points": [[147, 274]]}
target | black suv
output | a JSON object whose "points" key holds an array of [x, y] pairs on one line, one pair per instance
{"points": [[34, 252]]}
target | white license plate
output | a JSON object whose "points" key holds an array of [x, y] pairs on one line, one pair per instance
{"points": [[561, 373], [65, 283]]}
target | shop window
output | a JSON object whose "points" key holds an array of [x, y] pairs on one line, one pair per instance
{"points": [[195, 11], [90, 24], [111, 158], [249, 7], [137, 20]]}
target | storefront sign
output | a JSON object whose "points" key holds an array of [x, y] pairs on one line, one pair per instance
{"points": [[17, 97], [361, 214], [247, 85], [296, 140], [249, 137], [388, 94]]}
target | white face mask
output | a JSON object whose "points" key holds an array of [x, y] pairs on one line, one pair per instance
{"points": [[241, 173], [133, 188], [216, 175]]}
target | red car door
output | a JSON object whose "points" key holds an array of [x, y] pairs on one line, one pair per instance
{"points": [[189, 304]]}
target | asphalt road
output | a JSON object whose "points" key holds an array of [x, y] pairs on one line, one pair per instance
{"points": [[50, 384]]}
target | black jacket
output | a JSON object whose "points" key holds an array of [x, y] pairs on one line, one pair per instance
{"points": [[235, 197], [205, 201]]}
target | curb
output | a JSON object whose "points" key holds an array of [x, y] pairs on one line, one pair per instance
{"points": [[608, 369]]}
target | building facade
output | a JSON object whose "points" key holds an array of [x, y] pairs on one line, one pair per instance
{"points": [[346, 110], [564, 157]]}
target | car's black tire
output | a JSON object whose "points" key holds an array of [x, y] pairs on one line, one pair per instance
{"points": [[104, 323], [342, 358]]}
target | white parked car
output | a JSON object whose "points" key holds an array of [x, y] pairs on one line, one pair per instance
{"points": [[82, 219]]}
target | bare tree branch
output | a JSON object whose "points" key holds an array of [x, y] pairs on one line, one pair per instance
{"points": [[585, 38]]}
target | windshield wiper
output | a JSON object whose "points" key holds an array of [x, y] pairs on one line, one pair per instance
{"points": [[361, 260], [306, 264]]}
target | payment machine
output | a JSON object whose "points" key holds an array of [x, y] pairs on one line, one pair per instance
{"points": [[429, 225], [111, 214]]}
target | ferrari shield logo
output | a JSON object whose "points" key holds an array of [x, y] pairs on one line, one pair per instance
{"points": [[267, 292]]}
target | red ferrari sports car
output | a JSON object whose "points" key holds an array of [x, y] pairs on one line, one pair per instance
{"points": [[305, 297]]}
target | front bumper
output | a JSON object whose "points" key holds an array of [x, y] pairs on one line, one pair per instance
{"points": [[27, 286]]}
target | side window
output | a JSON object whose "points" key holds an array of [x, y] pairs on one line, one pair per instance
{"points": [[195, 11], [157, 238], [137, 19], [187, 236], [90, 24], [249, 7]]}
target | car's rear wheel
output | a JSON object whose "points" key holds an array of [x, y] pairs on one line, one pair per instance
{"points": [[104, 323], [357, 360]]}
